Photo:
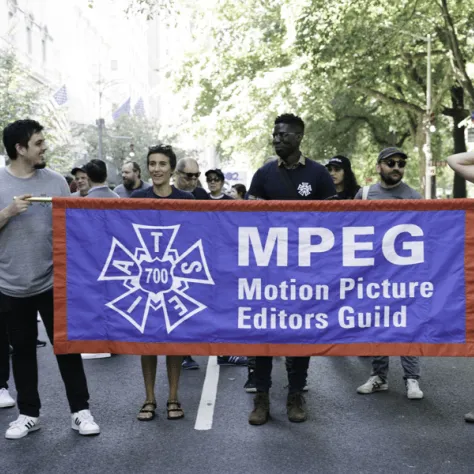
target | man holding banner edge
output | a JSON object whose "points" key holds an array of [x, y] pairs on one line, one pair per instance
{"points": [[291, 177], [26, 276], [391, 169]]}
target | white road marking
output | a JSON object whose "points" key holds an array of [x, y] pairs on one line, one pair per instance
{"points": [[205, 413]]}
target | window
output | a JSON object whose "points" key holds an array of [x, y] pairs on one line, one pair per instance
{"points": [[44, 45], [29, 34]]}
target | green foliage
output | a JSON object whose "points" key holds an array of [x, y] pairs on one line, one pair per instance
{"points": [[21, 96], [117, 138], [354, 70]]}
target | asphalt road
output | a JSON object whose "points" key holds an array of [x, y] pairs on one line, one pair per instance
{"points": [[345, 433]]}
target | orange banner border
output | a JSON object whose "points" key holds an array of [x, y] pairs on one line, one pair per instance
{"points": [[62, 345]]}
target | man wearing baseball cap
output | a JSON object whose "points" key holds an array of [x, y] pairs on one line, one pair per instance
{"points": [[82, 182], [391, 169], [215, 182], [390, 166]]}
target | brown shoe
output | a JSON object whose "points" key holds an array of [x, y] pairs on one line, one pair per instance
{"points": [[295, 407], [261, 411]]}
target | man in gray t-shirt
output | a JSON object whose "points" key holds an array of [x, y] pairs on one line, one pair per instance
{"points": [[26, 276], [391, 169]]}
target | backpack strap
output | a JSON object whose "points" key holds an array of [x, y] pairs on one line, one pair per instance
{"points": [[365, 192]]}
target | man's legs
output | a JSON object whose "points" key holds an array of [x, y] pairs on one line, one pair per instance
{"points": [[4, 352], [378, 379], [380, 366], [250, 386], [70, 365], [411, 374], [263, 373], [23, 331], [411, 367], [263, 382], [297, 370]]}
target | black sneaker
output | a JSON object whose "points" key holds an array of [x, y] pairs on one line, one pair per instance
{"points": [[40, 343], [189, 364], [232, 360], [250, 386]]}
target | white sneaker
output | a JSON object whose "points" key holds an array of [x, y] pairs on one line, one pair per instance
{"points": [[6, 401], [413, 389], [95, 356], [374, 384], [83, 422], [22, 426]]}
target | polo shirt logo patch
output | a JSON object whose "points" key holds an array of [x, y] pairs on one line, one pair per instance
{"points": [[305, 189]]}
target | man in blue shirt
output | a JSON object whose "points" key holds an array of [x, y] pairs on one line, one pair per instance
{"points": [[290, 177]]}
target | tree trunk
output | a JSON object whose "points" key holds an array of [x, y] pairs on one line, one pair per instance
{"points": [[459, 114]]}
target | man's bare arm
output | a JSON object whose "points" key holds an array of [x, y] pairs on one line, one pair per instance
{"points": [[463, 164]]}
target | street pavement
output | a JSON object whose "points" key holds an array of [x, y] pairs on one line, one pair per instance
{"points": [[345, 433]]}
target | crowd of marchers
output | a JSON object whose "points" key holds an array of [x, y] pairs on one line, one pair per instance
{"points": [[26, 261]]}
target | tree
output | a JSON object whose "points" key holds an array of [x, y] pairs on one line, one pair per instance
{"points": [[354, 70], [21, 96], [128, 134]]}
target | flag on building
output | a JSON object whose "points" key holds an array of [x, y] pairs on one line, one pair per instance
{"points": [[139, 109], [60, 96], [123, 109]]}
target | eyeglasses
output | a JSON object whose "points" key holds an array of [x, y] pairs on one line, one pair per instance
{"points": [[213, 180], [190, 175], [283, 135], [391, 163]]}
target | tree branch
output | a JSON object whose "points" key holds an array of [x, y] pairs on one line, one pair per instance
{"points": [[459, 61], [402, 104]]}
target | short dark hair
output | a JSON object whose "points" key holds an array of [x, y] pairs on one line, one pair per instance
{"points": [[240, 189], [96, 171], [166, 150], [292, 120], [19, 133]]}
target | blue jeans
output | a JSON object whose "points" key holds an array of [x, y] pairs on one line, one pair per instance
{"points": [[410, 365]]}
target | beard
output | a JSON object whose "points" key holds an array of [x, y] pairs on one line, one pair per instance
{"points": [[40, 166], [127, 184], [390, 178]]}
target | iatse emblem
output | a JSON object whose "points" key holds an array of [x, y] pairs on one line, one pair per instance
{"points": [[155, 277]]}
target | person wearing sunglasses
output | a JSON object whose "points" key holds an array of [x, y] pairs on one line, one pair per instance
{"points": [[391, 169], [186, 178], [215, 182], [343, 177], [390, 166]]}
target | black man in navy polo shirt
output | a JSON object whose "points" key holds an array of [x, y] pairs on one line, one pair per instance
{"points": [[290, 177]]}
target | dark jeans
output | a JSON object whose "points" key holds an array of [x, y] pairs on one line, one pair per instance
{"points": [[4, 352], [296, 368], [23, 332]]}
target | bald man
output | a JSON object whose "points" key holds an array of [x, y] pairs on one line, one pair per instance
{"points": [[186, 177]]}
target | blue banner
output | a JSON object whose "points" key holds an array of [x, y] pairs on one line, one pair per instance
{"points": [[265, 277]]}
